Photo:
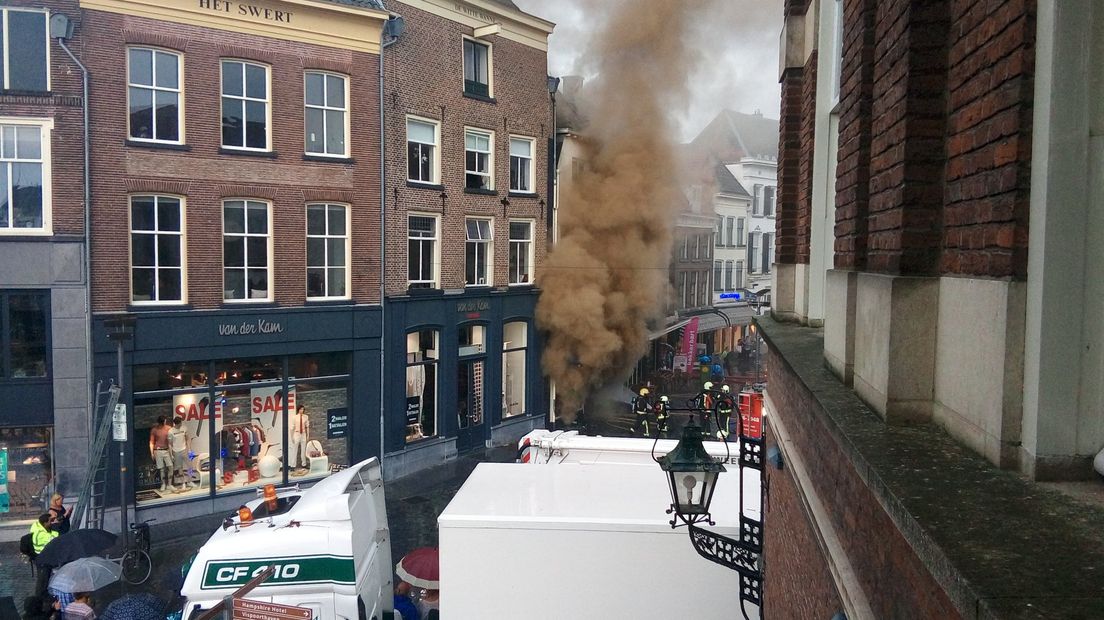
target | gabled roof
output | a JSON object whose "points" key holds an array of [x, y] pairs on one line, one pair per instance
{"points": [[727, 183], [507, 3], [734, 135]]}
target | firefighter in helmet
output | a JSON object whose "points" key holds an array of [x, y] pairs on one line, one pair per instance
{"points": [[642, 408], [663, 413], [725, 405], [703, 403]]}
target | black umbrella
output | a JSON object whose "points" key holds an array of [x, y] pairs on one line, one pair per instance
{"points": [[143, 606], [74, 546]]}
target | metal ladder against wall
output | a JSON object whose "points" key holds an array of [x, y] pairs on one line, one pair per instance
{"points": [[91, 497]]}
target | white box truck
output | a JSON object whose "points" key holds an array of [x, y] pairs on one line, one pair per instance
{"points": [[330, 547], [580, 542]]}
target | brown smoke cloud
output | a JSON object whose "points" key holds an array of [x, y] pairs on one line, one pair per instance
{"points": [[606, 277]]}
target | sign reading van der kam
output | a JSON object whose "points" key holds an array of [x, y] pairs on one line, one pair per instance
{"points": [[230, 574]]}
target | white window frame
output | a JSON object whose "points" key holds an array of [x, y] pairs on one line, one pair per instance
{"points": [[530, 252], [532, 165], [490, 66], [45, 127], [436, 258], [741, 238], [718, 275], [269, 269], [345, 111], [512, 347], [327, 236], [490, 152], [7, 73], [244, 98], [179, 90], [757, 199], [435, 164], [488, 252], [182, 233], [729, 282]]}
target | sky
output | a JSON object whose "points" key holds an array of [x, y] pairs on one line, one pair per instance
{"points": [[740, 47]]}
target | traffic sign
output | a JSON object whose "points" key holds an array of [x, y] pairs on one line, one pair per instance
{"points": [[245, 609]]}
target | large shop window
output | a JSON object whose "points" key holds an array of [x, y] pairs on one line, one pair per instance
{"points": [[521, 252], [421, 384], [327, 251], [246, 249], [24, 176], [26, 50], [245, 106], [515, 338], [153, 93], [477, 252], [327, 105], [220, 427], [24, 335], [156, 249], [422, 251], [26, 472]]}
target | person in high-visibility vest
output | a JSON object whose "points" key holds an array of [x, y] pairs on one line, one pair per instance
{"points": [[662, 413], [642, 407], [725, 405]]}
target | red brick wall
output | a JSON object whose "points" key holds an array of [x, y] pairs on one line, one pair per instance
{"points": [[425, 77], [896, 582], [805, 158], [63, 105], [935, 137], [788, 245], [797, 583], [991, 61], [205, 177], [855, 116], [905, 207]]}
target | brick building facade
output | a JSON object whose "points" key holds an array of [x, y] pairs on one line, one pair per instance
{"points": [[469, 124], [43, 282], [236, 227], [934, 356]]}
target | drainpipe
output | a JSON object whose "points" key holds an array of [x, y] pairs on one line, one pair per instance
{"points": [[390, 34], [61, 29]]}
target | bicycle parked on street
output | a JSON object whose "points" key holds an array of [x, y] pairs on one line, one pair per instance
{"points": [[135, 561]]}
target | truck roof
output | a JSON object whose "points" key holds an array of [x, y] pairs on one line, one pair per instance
{"points": [[597, 496]]}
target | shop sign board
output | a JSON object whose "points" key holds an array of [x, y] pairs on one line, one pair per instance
{"points": [[119, 423], [337, 423], [413, 409], [245, 609]]}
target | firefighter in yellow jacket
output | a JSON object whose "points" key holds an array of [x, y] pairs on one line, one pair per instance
{"points": [[642, 408]]}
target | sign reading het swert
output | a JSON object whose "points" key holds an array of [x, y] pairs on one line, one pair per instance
{"points": [[247, 10], [233, 574]]}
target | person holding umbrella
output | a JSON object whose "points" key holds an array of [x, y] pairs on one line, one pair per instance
{"points": [[80, 608]]}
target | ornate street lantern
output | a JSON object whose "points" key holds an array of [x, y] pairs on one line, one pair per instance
{"points": [[692, 477]]}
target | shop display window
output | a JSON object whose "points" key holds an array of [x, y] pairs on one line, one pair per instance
{"points": [[514, 342], [421, 384], [231, 434], [318, 430], [472, 340], [26, 472], [249, 436], [318, 365], [172, 454]]}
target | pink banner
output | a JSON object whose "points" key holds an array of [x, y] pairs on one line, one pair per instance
{"points": [[690, 343]]}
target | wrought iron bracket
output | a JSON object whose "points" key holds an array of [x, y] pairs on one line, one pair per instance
{"points": [[725, 551]]}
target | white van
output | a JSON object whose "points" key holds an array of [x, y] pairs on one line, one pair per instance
{"points": [[330, 546]]}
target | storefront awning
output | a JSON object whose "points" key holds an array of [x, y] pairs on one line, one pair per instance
{"points": [[668, 329]]}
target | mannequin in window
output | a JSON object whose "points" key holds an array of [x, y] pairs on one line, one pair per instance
{"points": [[297, 438], [178, 445], [159, 452]]}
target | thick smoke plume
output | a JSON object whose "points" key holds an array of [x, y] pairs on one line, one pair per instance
{"points": [[606, 278]]}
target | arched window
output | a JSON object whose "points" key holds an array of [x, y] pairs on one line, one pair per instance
{"points": [[515, 339]]}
